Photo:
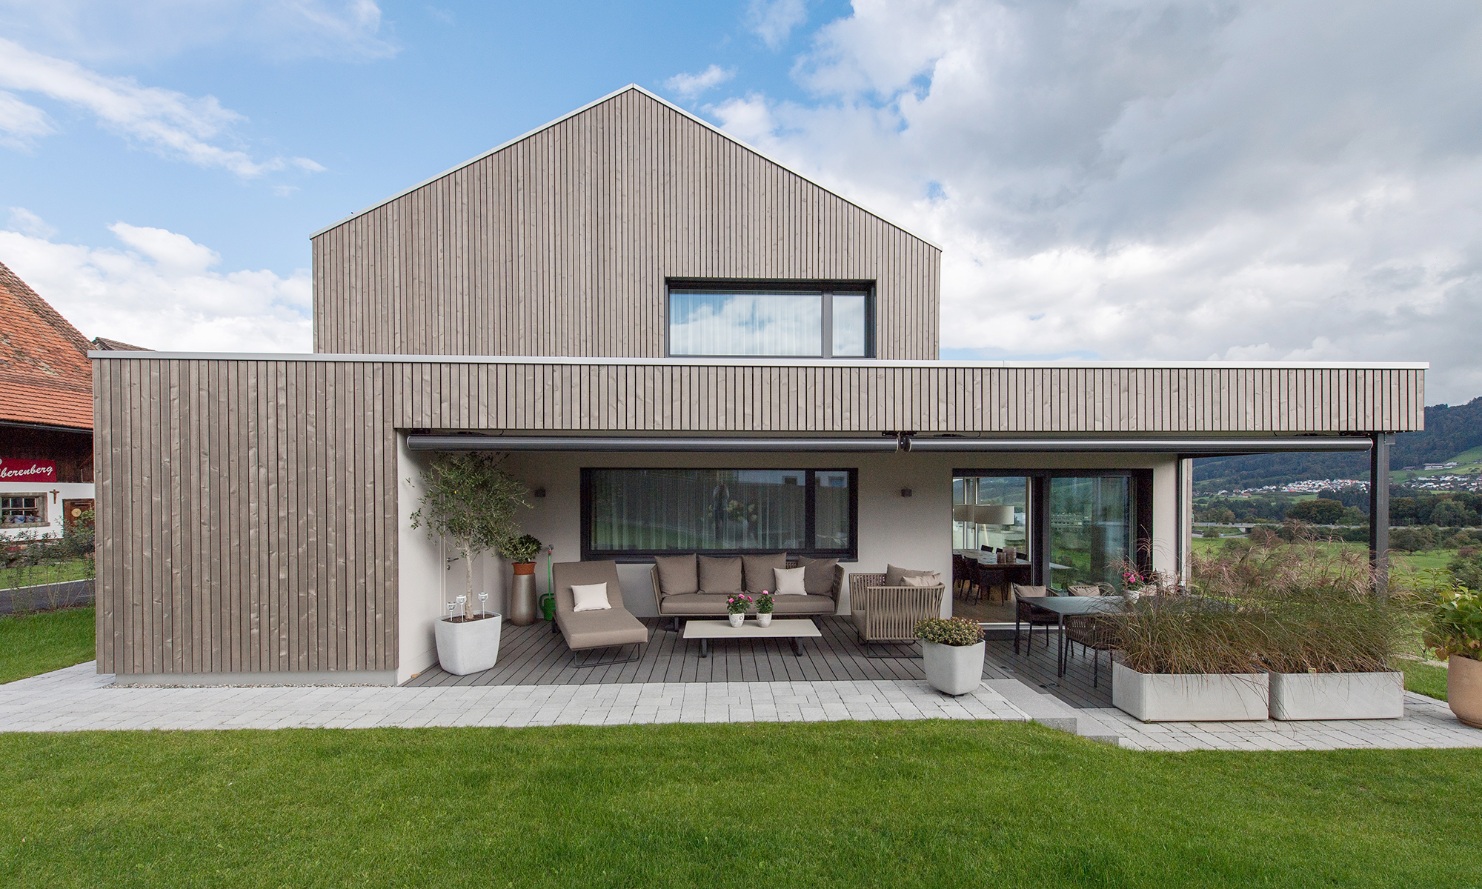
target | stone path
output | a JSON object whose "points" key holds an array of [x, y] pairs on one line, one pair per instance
{"points": [[1428, 723], [78, 699]]}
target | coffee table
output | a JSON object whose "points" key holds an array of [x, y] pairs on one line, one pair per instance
{"points": [[795, 629]]}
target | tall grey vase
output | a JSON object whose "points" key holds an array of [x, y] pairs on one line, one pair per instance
{"points": [[521, 610]]}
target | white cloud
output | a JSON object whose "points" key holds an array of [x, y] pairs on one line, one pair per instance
{"points": [[20, 123], [774, 20], [161, 290], [172, 124], [691, 85], [1165, 180], [26, 222], [145, 31]]}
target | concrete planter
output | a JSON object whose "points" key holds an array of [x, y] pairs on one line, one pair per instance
{"points": [[468, 646], [1297, 696], [1464, 689], [953, 669], [1203, 697]]}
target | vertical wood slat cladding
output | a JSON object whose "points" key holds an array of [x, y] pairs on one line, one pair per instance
{"points": [[560, 244], [247, 508]]}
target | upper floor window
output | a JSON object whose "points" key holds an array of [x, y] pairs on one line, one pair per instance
{"points": [[771, 319]]}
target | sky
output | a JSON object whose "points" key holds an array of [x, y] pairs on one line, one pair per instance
{"points": [[1119, 181]]}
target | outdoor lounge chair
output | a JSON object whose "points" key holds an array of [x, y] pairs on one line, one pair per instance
{"points": [[889, 614], [606, 628], [1026, 613]]}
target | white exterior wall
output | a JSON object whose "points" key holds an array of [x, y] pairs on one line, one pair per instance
{"points": [[913, 532], [56, 493]]}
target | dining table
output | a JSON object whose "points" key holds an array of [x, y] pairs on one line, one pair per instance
{"points": [[1063, 606]]}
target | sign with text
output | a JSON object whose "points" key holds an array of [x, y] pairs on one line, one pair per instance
{"points": [[22, 470]]}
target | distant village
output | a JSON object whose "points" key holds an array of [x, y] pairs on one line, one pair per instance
{"points": [[1450, 482]]}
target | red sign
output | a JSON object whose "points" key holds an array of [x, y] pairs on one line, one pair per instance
{"points": [[13, 470]]}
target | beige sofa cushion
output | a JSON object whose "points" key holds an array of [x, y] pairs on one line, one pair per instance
{"points": [[720, 574], [819, 579], [791, 581], [922, 580], [897, 576], [758, 571], [678, 575], [589, 597]]}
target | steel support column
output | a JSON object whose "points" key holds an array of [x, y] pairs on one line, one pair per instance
{"points": [[1379, 510]]}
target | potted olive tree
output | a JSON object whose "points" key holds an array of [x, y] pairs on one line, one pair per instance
{"points": [[471, 503], [952, 652], [1456, 635]]}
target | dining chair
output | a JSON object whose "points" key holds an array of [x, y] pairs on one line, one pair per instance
{"points": [[1026, 613]]}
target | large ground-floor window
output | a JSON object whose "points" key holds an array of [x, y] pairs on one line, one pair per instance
{"points": [[638, 513]]}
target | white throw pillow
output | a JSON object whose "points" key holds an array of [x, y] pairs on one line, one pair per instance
{"points": [[923, 580], [790, 582], [589, 597]]}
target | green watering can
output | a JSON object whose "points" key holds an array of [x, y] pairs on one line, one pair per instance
{"points": [[547, 606]]}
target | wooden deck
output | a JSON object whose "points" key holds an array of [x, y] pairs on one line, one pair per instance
{"points": [[534, 655]]}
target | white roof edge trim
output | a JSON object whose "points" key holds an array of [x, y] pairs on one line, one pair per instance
{"points": [[593, 104], [720, 362]]}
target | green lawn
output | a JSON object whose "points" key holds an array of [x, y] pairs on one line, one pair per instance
{"points": [[1424, 678], [39, 643], [54, 572], [844, 804]]}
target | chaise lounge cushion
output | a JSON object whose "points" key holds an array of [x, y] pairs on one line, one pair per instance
{"points": [[720, 574], [678, 575], [758, 571]]}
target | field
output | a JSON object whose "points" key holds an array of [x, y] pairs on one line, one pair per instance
{"points": [[31, 644], [55, 572]]}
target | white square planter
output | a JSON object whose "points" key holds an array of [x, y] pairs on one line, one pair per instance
{"points": [[953, 669], [1337, 695], [468, 646], [1170, 697]]}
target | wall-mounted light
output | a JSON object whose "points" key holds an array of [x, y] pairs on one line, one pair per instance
{"points": [[905, 492], [539, 492]]}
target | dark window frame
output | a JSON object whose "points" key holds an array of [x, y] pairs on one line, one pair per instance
{"points": [[824, 288], [849, 554], [1141, 484], [8, 511]]}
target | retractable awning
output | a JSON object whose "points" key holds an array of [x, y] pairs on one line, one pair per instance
{"points": [[1187, 447]]}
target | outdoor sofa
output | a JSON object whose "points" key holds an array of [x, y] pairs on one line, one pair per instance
{"points": [[697, 586]]}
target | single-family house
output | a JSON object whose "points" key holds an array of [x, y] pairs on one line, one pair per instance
{"points": [[682, 346]]}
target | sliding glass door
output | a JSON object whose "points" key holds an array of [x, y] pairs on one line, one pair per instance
{"points": [[1091, 529]]}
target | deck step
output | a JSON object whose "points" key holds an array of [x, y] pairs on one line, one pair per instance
{"points": [[1050, 711]]}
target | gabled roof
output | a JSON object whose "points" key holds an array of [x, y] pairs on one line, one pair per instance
{"points": [[632, 87], [46, 378], [105, 344]]}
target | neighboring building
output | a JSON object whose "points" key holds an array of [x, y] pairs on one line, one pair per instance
{"points": [[682, 346], [46, 416]]}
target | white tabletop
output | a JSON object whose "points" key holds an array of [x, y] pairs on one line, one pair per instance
{"points": [[750, 629]]}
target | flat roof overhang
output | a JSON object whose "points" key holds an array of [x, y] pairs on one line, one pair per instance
{"points": [[890, 442]]}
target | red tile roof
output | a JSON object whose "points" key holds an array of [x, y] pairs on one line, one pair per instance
{"points": [[45, 375]]}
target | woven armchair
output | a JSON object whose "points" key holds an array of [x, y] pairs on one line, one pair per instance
{"points": [[890, 613]]}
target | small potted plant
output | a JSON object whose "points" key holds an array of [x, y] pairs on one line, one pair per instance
{"points": [[1455, 633], [736, 607], [470, 502], [952, 652], [764, 606], [520, 551]]}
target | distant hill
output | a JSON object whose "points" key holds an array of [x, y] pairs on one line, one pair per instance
{"points": [[1448, 431]]}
